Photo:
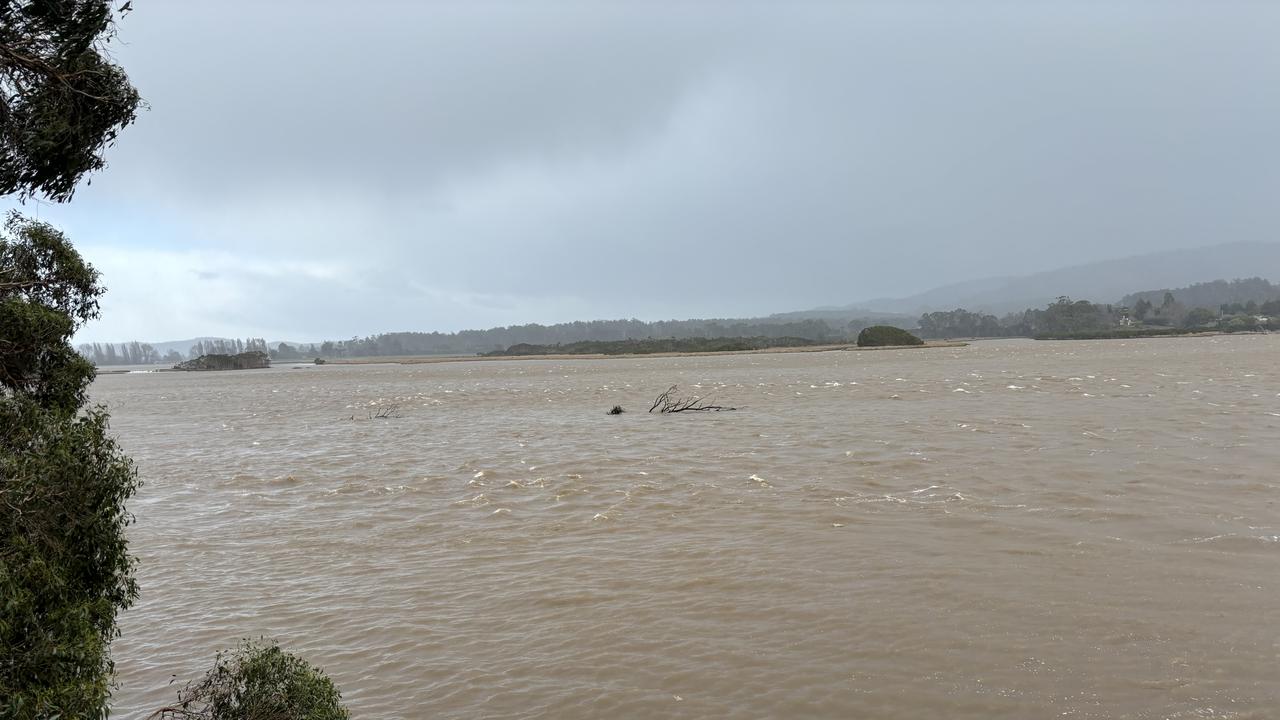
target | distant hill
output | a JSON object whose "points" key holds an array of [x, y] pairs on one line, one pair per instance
{"points": [[1106, 281], [1212, 294], [841, 316]]}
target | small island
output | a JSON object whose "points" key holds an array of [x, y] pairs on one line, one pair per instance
{"points": [[252, 360], [887, 336]]}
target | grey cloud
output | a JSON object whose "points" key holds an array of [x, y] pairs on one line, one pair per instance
{"points": [[467, 164]]}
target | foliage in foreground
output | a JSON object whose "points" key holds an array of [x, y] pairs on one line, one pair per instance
{"points": [[258, 681], [64, 99], [886, 336], [65, 570]]}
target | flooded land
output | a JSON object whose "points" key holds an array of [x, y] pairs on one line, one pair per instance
{"points": [[1011, 529]]}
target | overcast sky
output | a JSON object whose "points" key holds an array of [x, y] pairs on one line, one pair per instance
{"points": [[314, 169]]}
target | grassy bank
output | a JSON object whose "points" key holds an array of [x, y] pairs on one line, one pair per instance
{"points": [[1127, 334]]}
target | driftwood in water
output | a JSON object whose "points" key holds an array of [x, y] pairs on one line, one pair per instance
{"points": [[669, 402], [388, 412]]}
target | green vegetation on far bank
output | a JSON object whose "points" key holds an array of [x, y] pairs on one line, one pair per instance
{"points": [[1250, 304], [651, 346], [1068, 319], [1126, 333], [1121, 333]]}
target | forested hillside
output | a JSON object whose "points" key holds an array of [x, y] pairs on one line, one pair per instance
{"points": [[1213, 295]]}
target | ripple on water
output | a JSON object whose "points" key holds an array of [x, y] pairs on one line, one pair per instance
{"points": [[957, 533]]}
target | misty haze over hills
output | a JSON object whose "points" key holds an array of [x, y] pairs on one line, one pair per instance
{"points": [[183, 347], [867, 154], [1104, 281], [1108, 281]]}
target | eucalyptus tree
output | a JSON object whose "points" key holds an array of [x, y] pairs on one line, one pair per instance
{"points": [[65, 570], [63, 100]]}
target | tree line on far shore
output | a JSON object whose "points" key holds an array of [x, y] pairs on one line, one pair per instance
{"points": [[1192, 308], [649, 346], [472, 342], [1247, 305], [140, 353]]}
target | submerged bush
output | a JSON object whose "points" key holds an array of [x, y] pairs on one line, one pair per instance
{"points": [[252, 360], [259, 681], [886, 336]]}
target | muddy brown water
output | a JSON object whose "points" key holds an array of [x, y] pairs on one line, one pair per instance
{"points": [[1009, 529]]}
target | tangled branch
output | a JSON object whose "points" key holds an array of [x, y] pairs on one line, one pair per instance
{"points": [[389, 412], [669, 402]]}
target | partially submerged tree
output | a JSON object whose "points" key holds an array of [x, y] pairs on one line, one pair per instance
{"points": [[252, 360], [258, 681], [62, 98], [669, 402]]}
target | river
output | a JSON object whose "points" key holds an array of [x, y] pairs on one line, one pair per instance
{"points": [[1012, 529]]}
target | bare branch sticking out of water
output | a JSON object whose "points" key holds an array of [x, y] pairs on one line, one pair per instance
{"points": [[669, 402], [389, 412]]}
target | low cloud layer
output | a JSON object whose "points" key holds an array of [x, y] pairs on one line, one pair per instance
{"points": [[316, 170]]}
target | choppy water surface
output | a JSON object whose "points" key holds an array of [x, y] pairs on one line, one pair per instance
{"points": [[1011, 529]]}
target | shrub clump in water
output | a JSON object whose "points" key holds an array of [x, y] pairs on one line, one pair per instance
{"points": [[886, 336], [259, 681]]}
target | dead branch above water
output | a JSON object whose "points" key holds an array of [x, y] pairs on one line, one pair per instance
{"points": [[385, 413], [669, 402]]}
